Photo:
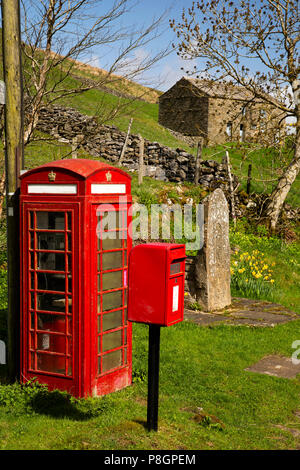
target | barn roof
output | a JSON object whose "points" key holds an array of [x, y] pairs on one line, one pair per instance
{"points": [[215, 89]]}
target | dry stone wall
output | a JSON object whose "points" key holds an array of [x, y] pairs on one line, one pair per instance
{"points": [[107, 142]]}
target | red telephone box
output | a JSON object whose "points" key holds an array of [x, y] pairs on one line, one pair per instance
{"points": [[75, 244]]}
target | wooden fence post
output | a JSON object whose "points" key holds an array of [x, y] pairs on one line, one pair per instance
{"points": [[198, 161], [231, 189], [125, 143], [249, 178], [74, 146]]}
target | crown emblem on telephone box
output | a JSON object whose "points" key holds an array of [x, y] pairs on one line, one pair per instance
{"points": [[108, 176], [51, 176]]}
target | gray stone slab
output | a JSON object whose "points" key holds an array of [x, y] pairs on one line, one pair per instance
{"points": [[245, 312], [278, 366], [212, 266]]}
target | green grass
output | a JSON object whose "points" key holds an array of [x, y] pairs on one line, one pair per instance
{"points": [[200, 368]]}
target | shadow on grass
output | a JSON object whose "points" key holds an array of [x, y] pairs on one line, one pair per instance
{"points": [[57, 404], [60, 404]]}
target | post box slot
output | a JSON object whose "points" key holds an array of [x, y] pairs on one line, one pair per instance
{"points": [[175, 268]]}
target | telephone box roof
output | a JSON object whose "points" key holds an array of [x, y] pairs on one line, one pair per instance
{"points": [[80, 166]]}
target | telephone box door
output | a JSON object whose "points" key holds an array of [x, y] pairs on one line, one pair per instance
{"points": [[111, 245], [49, 320]]}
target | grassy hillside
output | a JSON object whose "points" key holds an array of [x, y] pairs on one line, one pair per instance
{"points": [[266, 163]]}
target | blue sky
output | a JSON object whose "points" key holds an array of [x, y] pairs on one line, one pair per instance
{"points": [[168, 70]]}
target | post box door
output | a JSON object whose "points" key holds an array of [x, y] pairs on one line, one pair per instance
{"points": [[111, 245], [48, 289]]}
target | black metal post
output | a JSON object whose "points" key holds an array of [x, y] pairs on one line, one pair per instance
{"points": [[153, 377]]}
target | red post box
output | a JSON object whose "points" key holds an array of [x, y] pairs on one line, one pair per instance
{"points": [[75, 244], [156, 283], [156, 297]]}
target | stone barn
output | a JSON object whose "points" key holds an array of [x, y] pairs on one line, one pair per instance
{"points": [[217, 112]]}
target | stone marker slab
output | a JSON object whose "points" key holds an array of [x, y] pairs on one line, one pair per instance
{"points": [[212, 266], [277, 366]]}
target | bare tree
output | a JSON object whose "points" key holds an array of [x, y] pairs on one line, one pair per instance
{"points": [[253, 45], [58, 32]]}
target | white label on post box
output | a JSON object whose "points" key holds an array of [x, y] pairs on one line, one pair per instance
{"points": [[175, 298], [108, 188], [52, 189]]}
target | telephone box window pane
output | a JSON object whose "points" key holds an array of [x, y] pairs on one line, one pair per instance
{"points": [[32, 260], [111, 360], [32, 281], [55, 241], [111, 320], [32, 304], [112, 340], [69, 242], [111, 220], [69, 216], [112, 243], [112, 300], [32, 321], [111, 260], [31, 220], [50, 220], [51, 363], [32, 240], [51, 302], [112, 280], [54, 323], [32, 366], [51, 261], [51, 281], [69, 262], [51, 343]]}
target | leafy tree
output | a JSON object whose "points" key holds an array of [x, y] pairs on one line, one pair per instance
{"points": [[253, 45]]}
